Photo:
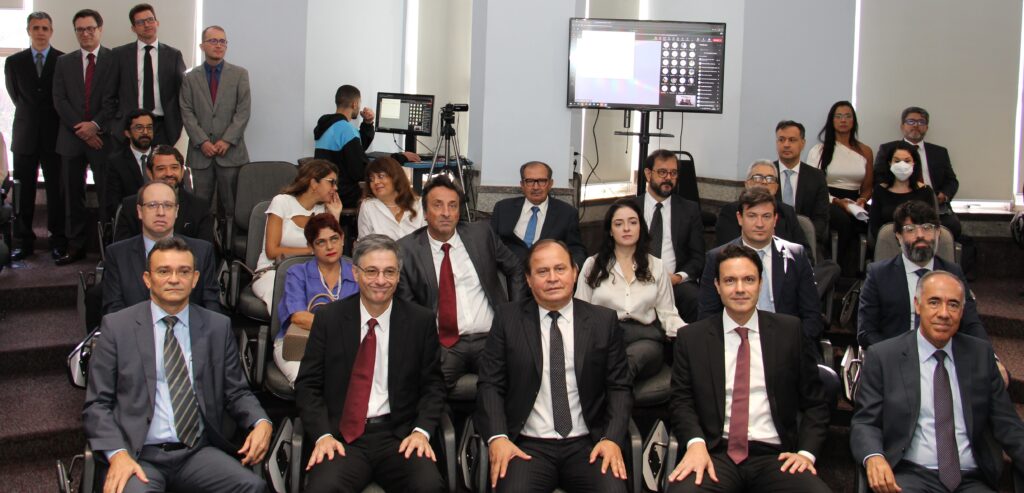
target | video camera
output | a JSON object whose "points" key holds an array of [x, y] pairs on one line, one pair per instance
{"points": [[448, 112]]}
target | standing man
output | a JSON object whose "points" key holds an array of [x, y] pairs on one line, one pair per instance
{"points": [[29, 78], [802, 186], [676, 230], [85, 96], [369, 390], [522, 221], [215, 108], [162, 379], [554, 399], [127, 170], [150, 76]]}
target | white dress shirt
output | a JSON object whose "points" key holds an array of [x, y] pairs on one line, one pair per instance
{"points": [[912, 278], [541, 421], [524, 219], [473, 310], [644, 302], [376, 218], [85, 59], [668, 253], [924, 161], [140, 54], [138, 160]]}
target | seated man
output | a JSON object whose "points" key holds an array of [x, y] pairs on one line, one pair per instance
{"points": [[368, 404], [521, 221], [162, 378], [762, 173], [122, 284], [740, 381], [452, 268], [789, 286], [931, 411], [128, 165], [165, 164], [553, 399]]}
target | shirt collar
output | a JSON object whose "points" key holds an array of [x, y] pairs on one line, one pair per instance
{"points": [[45, 52], [142, 46], [543, 206], [96, 53], [149, 243], [651, 201], [767, 248], [919, 145], [565, 313], [730, 325], [925, 349], [910, 267], [383, 320], [159, 314], [137, 153], [783, 167], [214, 68], [454, 241]]}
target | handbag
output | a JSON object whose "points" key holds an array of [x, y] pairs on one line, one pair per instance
{"points": [[851, 302], [295, 337]]}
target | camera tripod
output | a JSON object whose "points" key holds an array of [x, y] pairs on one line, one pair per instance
{"points": [[450, 140]]}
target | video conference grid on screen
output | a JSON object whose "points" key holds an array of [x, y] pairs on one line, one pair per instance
{"points": [[404, 113]]}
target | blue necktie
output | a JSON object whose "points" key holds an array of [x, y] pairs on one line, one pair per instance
{"points": [[787, 188], [764, 299], [531, 227]]}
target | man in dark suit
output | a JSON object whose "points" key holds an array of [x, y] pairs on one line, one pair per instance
{"points": [[761, 174], [789, 286], [126, 260], [127, 168], [521, 221], [85, 96], [676, 230], [194, 218], [370, 405], [932, 413], [29, 78], [803, 187], [162, 379], [155, 87], [740, 424], [553, 399], [453, 269]]}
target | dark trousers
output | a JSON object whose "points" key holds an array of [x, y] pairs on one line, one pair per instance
{"points": [[374, 457], [26, 171], [76, 216], [848, 229], [561, 464], [645, 351], [223, 179], [462, 358], [759, 473], [203, 468], [687, 295], [913, 478]]}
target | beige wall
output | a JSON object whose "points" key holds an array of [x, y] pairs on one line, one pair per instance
{"points": [[442, 65]]}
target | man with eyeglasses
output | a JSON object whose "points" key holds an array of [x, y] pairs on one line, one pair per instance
{"points": [[215, 108], [762, 173], [157, 207], [150, 76], [128, 166], [522, 221]]}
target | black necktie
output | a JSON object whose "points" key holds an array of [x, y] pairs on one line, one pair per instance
{"points": [[39, 64], [148, 94], [559, 392], [183, 399], [656, 231], [945, 434]]}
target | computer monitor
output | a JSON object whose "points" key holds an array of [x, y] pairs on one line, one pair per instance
{"points": [[407, 114]]}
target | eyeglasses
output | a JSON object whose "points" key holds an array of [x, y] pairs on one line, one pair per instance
{"points": [[924, 228], [217, 41], [332, 181], [915, 123], [321, 242], [665, 173], [535, 182], [768, 179], [140, 128], [165, 272], [143, 22], [843, 116], [152, 206], [83, 30], [373, 273]]}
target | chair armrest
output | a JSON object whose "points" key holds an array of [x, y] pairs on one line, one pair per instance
{"points": [[827, 354], [262, 343], [88, 471], [861, 483], [671, 458], [449, 450], [635, 457], [298, 458], [863, 243], [229, 236], [235, 281]]}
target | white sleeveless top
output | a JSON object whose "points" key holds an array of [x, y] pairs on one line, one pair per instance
{"points": [[286, 207], [847, 169]]}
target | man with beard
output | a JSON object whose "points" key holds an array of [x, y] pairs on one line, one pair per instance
{"points": [[128, 167], [676, 230]]}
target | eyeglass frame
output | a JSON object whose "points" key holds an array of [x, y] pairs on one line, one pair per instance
{"points": [[155, 206], [765, 179], [374, 273]]}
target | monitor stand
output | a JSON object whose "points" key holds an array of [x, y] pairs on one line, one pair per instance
{"points": [[410, 142]]}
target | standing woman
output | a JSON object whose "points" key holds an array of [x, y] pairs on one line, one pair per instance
{"points": [[390, 207], [847, 165], [624, 277]]}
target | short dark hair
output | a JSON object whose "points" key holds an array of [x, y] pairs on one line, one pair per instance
{"points": [[784, 124], [522, 169], [346, 95], [165, 150], [38, 15], [915, 109], [169, 243], [541, 244], [659, 154], [442, 181], [142, 190], [142, 7], [139, 112], [88, 13], [207, 28], [918, 212], [756, 196], [732, 250], [318, 222]]}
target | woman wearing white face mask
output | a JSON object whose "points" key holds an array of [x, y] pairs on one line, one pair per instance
{"points": [[898, 184]]}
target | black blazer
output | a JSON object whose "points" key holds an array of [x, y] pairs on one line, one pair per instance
{"points": [[35, 119], [884, 311], [889, 401], [170, 73], [511, 371], [561, 222], [418, 281], [794, 290], [811, 198], [687, 233], [940, 168], [788, 226], [124, 178], [194, 218], [69, 97], [126, 261], [415, 385], [791, 378]]}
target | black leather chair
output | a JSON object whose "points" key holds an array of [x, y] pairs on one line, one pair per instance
{"points": [[257, 181]]}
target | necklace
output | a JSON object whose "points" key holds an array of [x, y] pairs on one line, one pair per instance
{"points": [[336, 293]]}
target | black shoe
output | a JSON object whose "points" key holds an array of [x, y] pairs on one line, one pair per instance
{"points": [[71, 257], [57, 253], [22, 253]]}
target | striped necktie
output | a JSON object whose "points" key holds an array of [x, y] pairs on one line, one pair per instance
{"points": [[183, 400]]}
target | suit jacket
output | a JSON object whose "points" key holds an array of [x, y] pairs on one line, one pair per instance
{"points": [[418, 281], [940, 168], [35, 119], [811, 198], [69, 97], [124, 177], [121, 394], [206, 121], [884, 311], [793, 287], [194, 218], [126, 261], [511, 370], [169, 72], [791, 378], [788, 226], [561, 222], [889, 401], [687, 235], [415, 385]]}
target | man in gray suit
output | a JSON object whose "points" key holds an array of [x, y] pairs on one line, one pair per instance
{"points": [[215, 108], [84, 94], [162, 378]]}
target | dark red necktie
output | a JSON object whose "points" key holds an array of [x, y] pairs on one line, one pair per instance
{"points": [[213, 86], [739, 419], [447, 315], [357, 398], [90, 70]]}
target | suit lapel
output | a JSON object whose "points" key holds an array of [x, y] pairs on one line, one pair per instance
{"points": [[581, 339], [531, 319], [138, 264], [200, 354], [898, 271], [678, 226], [550, 221], [206, 94], [769, 357], [473, 250], [963, 378], [146, 343], [425, 259], [350, 340], [394, 356], [778, 273], [910, 368], [715, 340]]}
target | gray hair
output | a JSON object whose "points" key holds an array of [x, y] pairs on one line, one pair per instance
{"points": [[39, 15], [934, 273], [762, 162], [373, 243]]}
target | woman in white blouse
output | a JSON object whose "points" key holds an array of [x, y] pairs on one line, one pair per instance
{"points": [[624, 277], [313, 191], [390, 208]]}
